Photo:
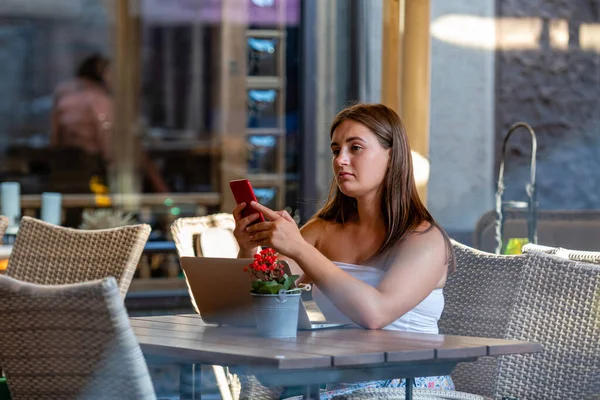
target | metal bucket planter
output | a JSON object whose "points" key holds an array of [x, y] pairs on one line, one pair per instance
{"points": [[276, 315]]}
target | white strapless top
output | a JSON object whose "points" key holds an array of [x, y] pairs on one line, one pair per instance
{"points": [[423, 318]]}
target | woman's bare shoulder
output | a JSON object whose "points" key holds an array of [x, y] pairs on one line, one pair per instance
{"points": [[426, 238], [428, 233], [314, 229]]}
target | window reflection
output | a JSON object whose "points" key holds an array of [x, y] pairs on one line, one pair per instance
{"points": [[262, 57], [262, 108], [262, 154], [267, 197]]}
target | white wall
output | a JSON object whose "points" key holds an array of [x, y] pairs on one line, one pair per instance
{"points": [[461, 183]]}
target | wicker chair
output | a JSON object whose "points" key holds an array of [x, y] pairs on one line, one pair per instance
{"points": [[3, 226], [559, 307], [538, 248], [479, 299], [185, 230], [400, 394], [49, 254], [535, 296], [186, 235], [70, 342], [592, 257]]}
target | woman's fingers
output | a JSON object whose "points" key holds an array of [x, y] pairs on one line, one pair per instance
{"points": [[267, 212], [259, 236], [244, 222], [287, 216], [261, 226], [237, 211]]}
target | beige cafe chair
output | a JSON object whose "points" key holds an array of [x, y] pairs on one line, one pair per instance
{"points": [[206, 236], [209, 236], [558, 306], [534, 297], [49, 254], [400, 394], [592, 257], [479, 301], [70, 342], [3, 226]]}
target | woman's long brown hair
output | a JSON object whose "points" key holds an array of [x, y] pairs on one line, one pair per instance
{"points": [[401, 208]]}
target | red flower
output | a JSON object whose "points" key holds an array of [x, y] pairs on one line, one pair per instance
{"points": [[266, 266]]}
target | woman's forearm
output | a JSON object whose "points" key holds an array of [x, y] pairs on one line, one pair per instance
{"points": [[245, 253], [359, 301]]}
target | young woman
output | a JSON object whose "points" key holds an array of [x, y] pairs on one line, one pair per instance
{"points": [[374, 253]]}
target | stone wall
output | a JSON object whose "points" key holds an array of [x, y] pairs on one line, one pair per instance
{"points": [[548, 74]]}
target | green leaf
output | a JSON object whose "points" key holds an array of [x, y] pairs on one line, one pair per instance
{"points": [[289, 281], [257, 284], [273, 288]]}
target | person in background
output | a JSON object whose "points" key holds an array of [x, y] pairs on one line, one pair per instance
{"points": [[375, 255], [83, 111], [83, 118]]}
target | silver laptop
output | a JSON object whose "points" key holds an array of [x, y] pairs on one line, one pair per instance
{"points": [[221, 291]]}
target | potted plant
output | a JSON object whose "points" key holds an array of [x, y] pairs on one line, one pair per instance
{"points": [[276, 299]]}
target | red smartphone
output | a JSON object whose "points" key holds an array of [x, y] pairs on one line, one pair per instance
{"points": [[243, 193]]}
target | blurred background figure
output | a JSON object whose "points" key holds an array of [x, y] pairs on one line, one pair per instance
{"points": [[82, 116], [82, 113], [82, 121]]}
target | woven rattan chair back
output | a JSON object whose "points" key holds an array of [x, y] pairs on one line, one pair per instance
{"points": [[48, 254], [479, 300], [592, 257], [559, 307], [400, 394], [538, 248], [3, 226], [184, 230], [69, 342]]}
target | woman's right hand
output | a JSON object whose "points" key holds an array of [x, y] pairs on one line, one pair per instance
{"points": [[240, 233]]}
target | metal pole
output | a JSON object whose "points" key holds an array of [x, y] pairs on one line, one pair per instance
{"points": [[409, 388]]}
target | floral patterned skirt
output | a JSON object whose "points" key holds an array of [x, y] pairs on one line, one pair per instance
{"points": [[337, 389]]}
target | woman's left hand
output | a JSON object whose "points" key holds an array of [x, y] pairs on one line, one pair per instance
{"points": [[280, 232]]}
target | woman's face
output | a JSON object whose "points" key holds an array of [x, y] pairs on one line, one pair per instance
{"points": [[359, 161]]}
